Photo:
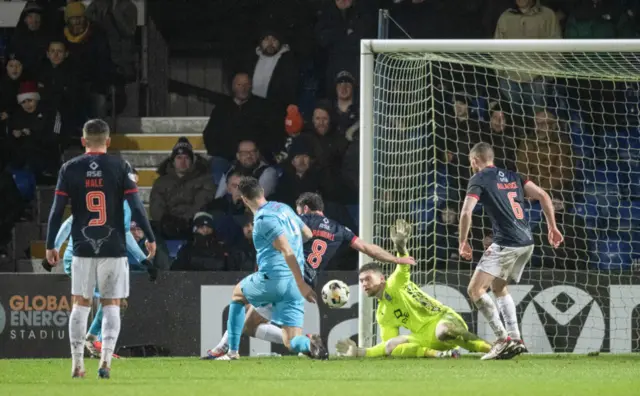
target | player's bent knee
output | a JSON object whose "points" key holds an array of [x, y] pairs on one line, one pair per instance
{"points": [[238, 296], [393, 343]]}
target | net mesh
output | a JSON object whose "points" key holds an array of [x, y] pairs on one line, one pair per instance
{"points": [[569, 122]]}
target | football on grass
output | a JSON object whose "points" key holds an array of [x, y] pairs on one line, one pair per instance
{"points": [[335, 293]]}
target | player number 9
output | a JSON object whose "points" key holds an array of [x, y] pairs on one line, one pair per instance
{"points": [[517, 208], [318, 248], [96, 203]]}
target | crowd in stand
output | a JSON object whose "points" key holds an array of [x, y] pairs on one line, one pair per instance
{"points": [[293, 144]]}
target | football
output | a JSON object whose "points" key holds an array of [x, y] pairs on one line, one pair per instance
{"points": [[335, 293]]}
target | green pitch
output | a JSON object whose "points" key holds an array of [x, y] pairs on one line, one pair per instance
{"points": [[527, 375]]}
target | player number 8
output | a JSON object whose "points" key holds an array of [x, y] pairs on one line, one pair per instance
{"points": [[318, 248], [96, 203], [517, 208]]}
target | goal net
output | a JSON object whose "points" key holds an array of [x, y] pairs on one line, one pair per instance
{"points": [[564, 114]]}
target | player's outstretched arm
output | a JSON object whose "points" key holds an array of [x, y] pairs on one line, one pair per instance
{"points": [[378, 253], [532, 191]]}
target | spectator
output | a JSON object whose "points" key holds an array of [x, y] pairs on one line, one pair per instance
{"points": [[183, 188], [341, 25], [230, 203], [58, 87], [9, 86], [89, 50], [527, 20], [501, 134], [139, 236], [593, 19], [301, 175], [328, 148], [346, 108], [243, 254], [30, 39], [203, 252], [249, 163], [546, 157], [242, 117], [275, 71], [34, 132], [10, 210], [119, 20], [350, 169]]}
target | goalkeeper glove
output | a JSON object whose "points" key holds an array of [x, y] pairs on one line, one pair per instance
{"points": [[349, 348], [400, 233], [151, 270]]}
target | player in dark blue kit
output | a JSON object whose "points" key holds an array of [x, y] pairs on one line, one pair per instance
{"points": [[97, 185], [501, 193], [328, 237]]}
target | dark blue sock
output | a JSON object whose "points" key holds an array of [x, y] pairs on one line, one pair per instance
{"points": [[300, 344], [96, 325], [235, 324]]}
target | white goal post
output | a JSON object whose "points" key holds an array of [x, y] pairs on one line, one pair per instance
{"points": [[566, 114]]}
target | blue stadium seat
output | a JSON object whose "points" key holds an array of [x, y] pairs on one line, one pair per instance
{"points": [[615, 255], [603, 180], [173, 246], [624, 215], [587, 211]]}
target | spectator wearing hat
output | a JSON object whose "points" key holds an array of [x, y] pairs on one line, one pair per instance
{"points": [[34, 132], [249, 162], [301, 174], [89, 51], [242, 117], [30, 38], [275, 70], [345, 107], [206, 252], [184, 186]]}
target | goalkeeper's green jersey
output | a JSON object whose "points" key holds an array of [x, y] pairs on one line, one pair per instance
{"points": [[403, 304]]}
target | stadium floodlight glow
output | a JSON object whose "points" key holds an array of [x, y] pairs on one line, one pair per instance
{"points": [[575, 105]]}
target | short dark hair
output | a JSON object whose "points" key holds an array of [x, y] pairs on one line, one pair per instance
{"points": [[312, 200], [250, 188], [372, 266], [482, 150], [96, 131]]}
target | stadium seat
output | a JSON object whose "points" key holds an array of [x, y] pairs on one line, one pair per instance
{"points": [[587, 211], [602, 181], [624, 215], [614, 255], [173, 246]]}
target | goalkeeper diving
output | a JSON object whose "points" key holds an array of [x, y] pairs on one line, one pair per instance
{"points": [[436, 330]]}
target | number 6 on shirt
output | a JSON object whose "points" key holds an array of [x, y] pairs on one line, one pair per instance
{"points": [[96, 203], [517, 208]]}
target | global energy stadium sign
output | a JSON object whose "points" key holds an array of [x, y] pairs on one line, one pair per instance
{"points": [[186, 313]]}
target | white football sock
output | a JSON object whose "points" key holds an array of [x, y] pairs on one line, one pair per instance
{"points": [[508, 310], [110, 332], [269, 332], [77, 330], [224, 342], [489, 311]]}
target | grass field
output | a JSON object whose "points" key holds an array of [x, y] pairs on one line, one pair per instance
{"points": [[527, 375]]}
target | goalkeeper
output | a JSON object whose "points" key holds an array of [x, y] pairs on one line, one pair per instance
{"points": [[436, 330]]}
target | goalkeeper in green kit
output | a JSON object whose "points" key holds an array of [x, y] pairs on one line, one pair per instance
{"points": [[436, 330]]}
